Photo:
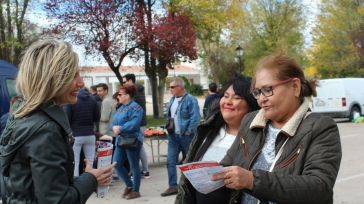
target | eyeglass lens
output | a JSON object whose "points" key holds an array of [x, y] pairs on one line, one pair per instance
{"points": [[266, 91]]}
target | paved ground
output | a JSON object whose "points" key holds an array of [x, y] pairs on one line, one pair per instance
{"points": [[349, 187]]}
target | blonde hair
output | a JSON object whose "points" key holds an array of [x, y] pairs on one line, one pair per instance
{"points": [[46, 71]]}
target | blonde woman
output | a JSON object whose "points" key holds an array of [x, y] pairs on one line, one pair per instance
{"points": [[36, 146]]}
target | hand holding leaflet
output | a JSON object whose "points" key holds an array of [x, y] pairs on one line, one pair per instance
{"points": [[104, 155], [200, 173]]}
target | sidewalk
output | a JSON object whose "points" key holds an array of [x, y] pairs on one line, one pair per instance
{"points": [[150, 189]]}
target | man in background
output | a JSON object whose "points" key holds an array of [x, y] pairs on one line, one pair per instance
{"points": [[211, 97], [83, 115], [183, 109], [93, 92], [107, 109]]}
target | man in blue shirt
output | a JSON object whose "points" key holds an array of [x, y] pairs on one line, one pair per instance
{"points": [[183, 109]]}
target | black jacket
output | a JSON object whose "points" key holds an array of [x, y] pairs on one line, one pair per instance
{"points": [[37, 160], [208, 102], [206, 133], [140, 99], [83, 115]]}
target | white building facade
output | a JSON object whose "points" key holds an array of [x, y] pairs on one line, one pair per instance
{"points": [[93, 75]]}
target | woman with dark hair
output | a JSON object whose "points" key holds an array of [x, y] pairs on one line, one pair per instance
{"points": [[284, 153], [216, 134], [126, 120]]}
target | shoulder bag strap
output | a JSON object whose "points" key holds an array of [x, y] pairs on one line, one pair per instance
{"points": [[179, 103]]}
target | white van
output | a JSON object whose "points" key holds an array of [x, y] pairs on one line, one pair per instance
{"points": [[340, 98]]}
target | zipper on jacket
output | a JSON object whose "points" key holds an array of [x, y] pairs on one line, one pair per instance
{"points": [[291, 157], [245, 148], [258, 152]]}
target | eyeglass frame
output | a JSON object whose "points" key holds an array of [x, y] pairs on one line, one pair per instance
{"points": [[172, 87], [271, 88], [119, 94]]}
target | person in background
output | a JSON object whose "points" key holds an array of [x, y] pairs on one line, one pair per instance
{"points": [[216, 134], [140, 99], [115, 96], [284, 153], [126, 120], [4, 118], [210, 98], [93, 92], [36, 155], [183, 109], [107, 109], [82, 117]]}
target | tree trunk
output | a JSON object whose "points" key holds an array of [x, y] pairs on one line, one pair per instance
{"points": [[153, 84], [11, 23], [117, 74], [161, 85], [3, 51]]}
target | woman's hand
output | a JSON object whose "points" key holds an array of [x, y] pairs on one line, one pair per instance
{"points": [[116, 129], [236, 178], [103, 176]]}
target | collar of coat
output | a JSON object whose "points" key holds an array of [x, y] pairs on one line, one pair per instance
{"points": [[292, 124], [56, 113]]}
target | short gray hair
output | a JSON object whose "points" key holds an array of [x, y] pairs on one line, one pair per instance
{"points": [[179, 81]]}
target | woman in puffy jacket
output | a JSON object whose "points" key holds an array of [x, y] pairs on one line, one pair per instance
{"points": [[284, 152]]}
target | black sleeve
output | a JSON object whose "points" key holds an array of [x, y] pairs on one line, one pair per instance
{"points": [[48, 156], [320, 168]]}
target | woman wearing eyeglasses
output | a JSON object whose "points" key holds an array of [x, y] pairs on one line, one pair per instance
{"points": [[126, 121], [284, 153]]}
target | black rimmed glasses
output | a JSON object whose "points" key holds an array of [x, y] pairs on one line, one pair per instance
{"points": [[172, 87], [268, 90]]}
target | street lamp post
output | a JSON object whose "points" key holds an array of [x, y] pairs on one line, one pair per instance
{"points": [[240, 52]]}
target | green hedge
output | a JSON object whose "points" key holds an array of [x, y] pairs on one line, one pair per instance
{"points": [[194, 89]]}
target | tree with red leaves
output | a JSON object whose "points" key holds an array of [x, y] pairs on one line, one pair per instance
{"points": [[164, 40], [116, 29], [101, 26]]}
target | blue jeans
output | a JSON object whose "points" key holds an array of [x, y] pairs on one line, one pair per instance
{"points": [[176, 143], [132, 155], [87, 144]]}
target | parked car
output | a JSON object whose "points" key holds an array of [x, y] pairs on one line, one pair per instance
{"points": [[340, 97], [8, 74]]}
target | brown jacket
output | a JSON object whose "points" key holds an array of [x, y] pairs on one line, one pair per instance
{"points": [[308, 167]]}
